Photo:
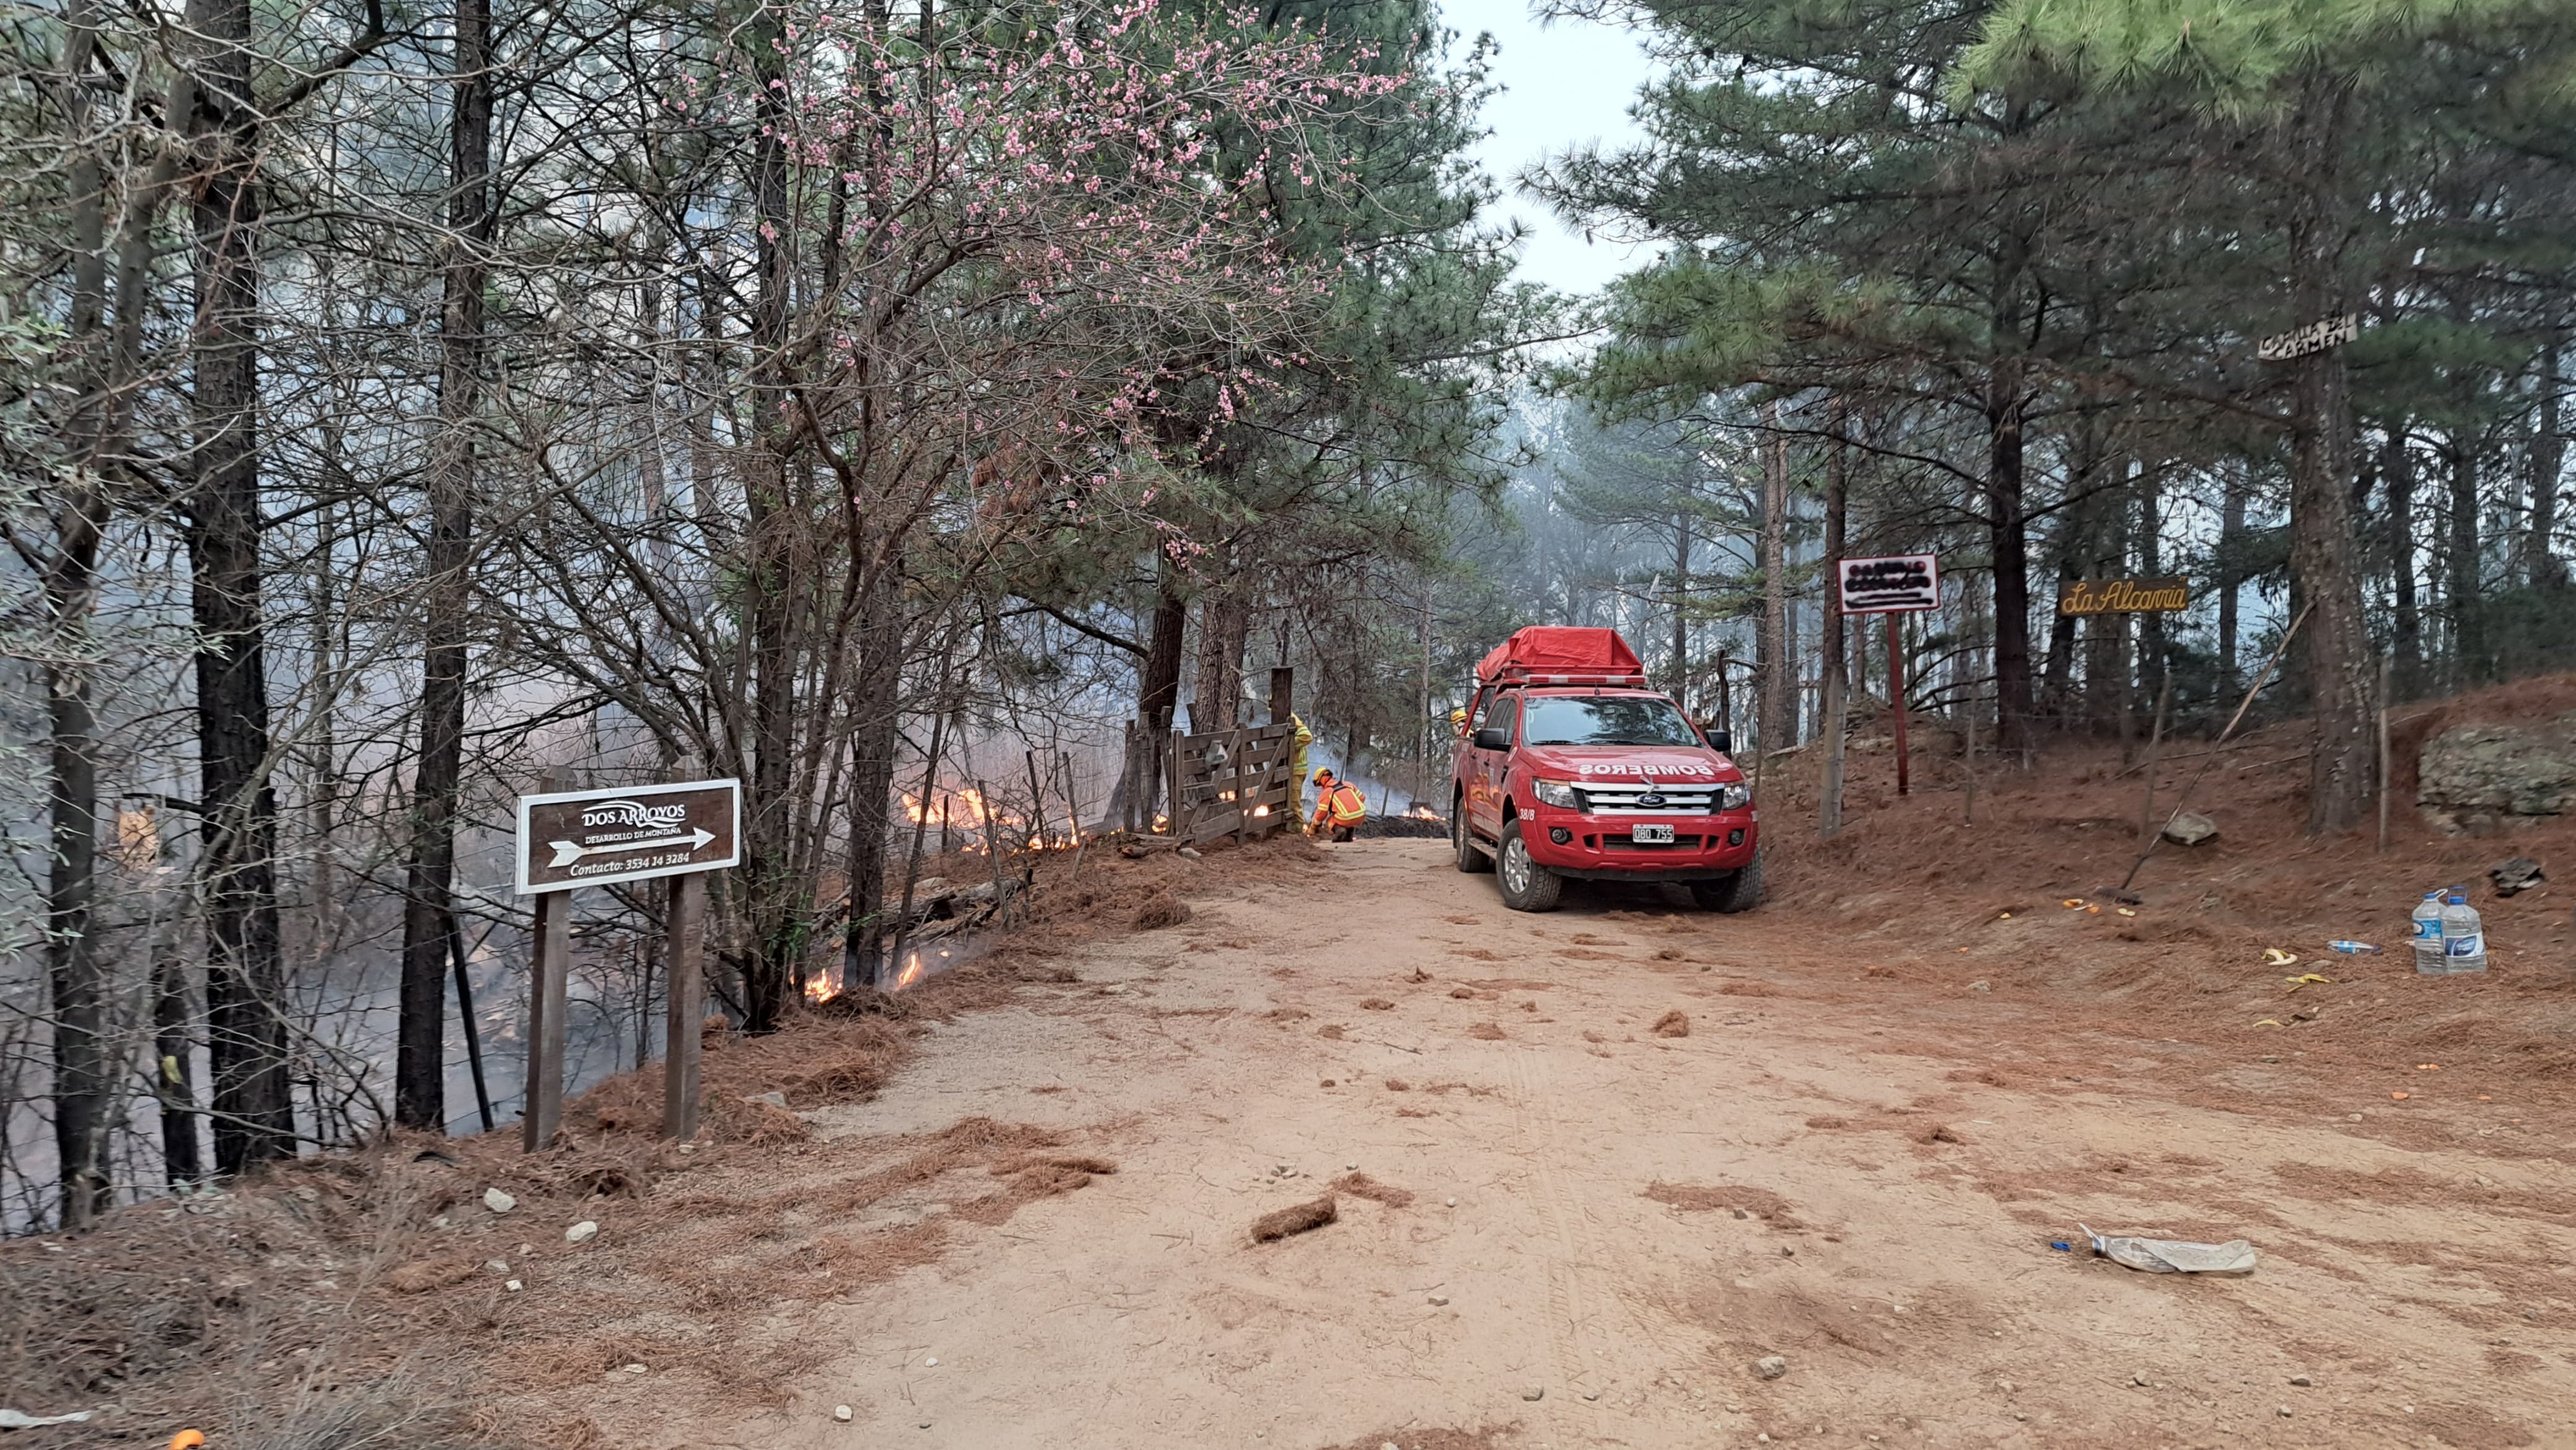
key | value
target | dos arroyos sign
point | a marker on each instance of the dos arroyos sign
(632, 833)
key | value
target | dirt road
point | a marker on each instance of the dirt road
(1858, 1170)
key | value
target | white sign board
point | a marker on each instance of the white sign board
(1896, 584)
(2317, 336)
(629, 833)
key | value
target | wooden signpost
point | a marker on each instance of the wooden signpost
(578, 838)
(1892, 585)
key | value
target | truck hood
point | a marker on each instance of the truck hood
(1628, 762)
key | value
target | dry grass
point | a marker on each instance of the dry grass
(1675, 1023)
(1490, 1437)
(1700, 1198)
(1297, 1218)
(1486, 1031)
(1360, 1185)
(1161, 912)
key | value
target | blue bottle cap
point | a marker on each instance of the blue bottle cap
(2459, 900)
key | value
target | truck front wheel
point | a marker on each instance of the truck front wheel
(1739, 892)
(1527, 885)
(1470, 860)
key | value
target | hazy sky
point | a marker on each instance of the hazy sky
(1563, 84)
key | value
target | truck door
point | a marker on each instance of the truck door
(1486, 767)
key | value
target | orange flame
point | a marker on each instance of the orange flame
(911, 972)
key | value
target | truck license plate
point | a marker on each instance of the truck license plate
(1651, 835)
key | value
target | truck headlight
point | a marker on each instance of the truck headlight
(1556, 793)
(1735, 795)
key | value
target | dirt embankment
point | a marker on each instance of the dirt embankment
(375, 1291)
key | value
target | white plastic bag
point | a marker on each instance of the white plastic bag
(2173, 1256)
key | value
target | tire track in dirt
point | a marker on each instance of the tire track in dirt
(1568, 1315)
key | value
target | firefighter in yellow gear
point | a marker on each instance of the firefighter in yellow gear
(1297, 769)
(1339, 806)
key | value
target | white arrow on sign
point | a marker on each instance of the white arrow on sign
(566, 852)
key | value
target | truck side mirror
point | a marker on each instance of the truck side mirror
(1722, 741)
(1493, 738)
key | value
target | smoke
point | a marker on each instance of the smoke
(1384, 798)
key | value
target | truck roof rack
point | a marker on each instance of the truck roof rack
(1544, 655)
(1515, 676)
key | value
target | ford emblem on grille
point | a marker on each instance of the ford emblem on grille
(1651, 799)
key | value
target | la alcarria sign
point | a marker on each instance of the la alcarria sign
(2124, 596)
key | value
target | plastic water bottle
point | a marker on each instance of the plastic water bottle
(2428, 936)
(2464, 937)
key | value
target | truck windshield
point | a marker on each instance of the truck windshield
(1599, 720)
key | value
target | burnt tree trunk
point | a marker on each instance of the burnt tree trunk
(420, 1038)
(2008, 540)
(245, 972)
(768, 874)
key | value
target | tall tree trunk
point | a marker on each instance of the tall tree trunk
(420, 1039)
(2548, 460)
(1158, 689)
(2235, 485)
(2397, 465)
(2151, 562)
(1779, 671)
(173, 1018)
(2343, 771)
(2464, 581)
(1829, 811)
(1225, 618)
(874, 740)
(245, 972)
(1681, 607)
(776, 963)
(2106, 636)
(2008, 531)
(76, 976)
(83, 1069)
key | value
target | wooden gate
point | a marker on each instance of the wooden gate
(1237, 783)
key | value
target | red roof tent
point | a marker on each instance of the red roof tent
(1555, 655)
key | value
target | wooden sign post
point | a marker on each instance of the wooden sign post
(569, 839)
(1892, 585)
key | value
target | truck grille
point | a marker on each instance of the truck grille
(1677, 800)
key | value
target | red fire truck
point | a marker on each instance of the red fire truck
(1569, 768)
